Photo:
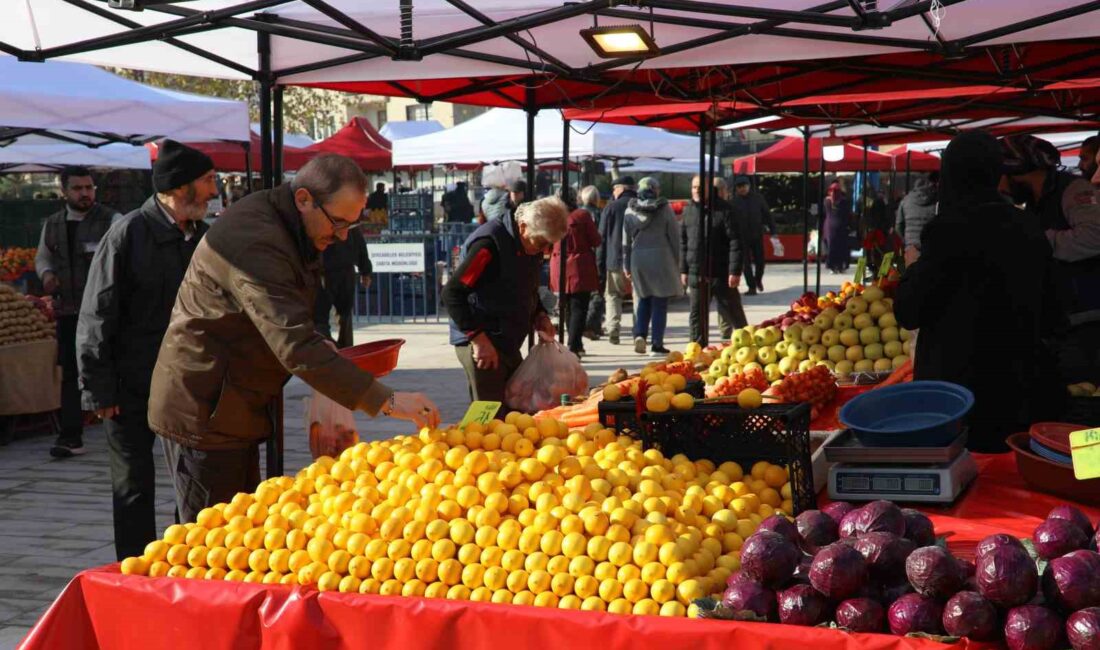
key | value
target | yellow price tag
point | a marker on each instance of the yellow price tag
(1085, 450)
(481, 412)
(861, 270)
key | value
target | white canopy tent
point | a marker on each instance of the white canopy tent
(85, 104)
(50, 156)
(500, 134)
(409, 129)
(657, 165)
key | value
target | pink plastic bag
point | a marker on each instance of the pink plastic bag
(331, 426)
(547, 373)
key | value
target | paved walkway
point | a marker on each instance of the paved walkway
(56, 515)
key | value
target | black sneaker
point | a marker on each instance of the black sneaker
(592, 335)
(751, 292)
(613, 339)
(760, 286)
(659, 351)
(67, 448)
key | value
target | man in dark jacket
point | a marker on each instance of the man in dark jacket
(377, 199)
(724, 273)
(609, 257)
(341, 260)
(750, 207)
(916, 210)
(979, 294)
(456, 205)
(131, 289)
(69, 240)
(243, 322)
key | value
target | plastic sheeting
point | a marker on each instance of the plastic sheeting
(103, 609)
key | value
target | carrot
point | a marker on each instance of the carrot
(903, 374)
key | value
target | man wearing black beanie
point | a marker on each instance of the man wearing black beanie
(131, 288)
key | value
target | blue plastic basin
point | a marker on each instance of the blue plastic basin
(914, 414)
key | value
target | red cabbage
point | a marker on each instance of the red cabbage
(802, 605)
(861, 615)
(1033, 627)
(849, 523)
(934, 572)
(915, 613)
(749, 596)
(892, 592)
(1083, 629)
(837, 510)
(817, 530)
(968, 614)
(885, 554)
(881, 516)
(783, 526)
(1072, 582)
(1071, 514)
(918, 528)
(838, 571)
(1006, 575)
(996, 541)
(769, 558)
(1056, 537)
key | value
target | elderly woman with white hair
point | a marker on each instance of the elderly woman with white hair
(492, 297)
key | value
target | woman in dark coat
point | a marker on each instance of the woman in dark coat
(581, 277)
(979, 294)
(838, 212)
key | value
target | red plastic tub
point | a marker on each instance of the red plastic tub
(378, 357)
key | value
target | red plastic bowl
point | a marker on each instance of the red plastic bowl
(378, 358)
(1054, 435)
(1049, 477)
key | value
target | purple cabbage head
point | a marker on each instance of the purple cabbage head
(1006, 575)
(783, 526)
(1083, 629)
(996, 541)
(892, 592)
(1073, 515)
(861, 615)
(1056, 537)
(918, 528)
(838, 571)
(817, 530)
(915, 613)
(1033, 627)
(934, 572)
(769, 558)
(802, 605)
(1072, 582)
(837, 510)
(968, 614)
(749, 596)
(881, 517)
(849, 523)
(802, 571)
(885, 554)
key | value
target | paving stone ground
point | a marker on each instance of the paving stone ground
(55, 517)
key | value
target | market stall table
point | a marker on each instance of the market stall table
(101, 608)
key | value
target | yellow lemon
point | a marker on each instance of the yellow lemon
(610, 589)
(620, 553)
(135, 566)
(582, 565)
(620, 606)
(673, 608)
(646, 607)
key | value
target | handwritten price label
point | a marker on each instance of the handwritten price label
(481, 412)
(1085, 451)
(884, 268)
(861, 270)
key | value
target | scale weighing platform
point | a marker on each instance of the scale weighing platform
(905, 474)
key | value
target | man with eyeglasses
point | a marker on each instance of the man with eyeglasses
(68, 242)
(244, 322)
(131, 288)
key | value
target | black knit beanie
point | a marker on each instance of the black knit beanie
(177, 165)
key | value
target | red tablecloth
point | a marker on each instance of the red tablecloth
(103, 609)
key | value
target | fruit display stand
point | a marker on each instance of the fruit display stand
(102, 608)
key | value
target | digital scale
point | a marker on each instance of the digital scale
(916, 474)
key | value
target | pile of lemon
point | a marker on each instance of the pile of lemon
(663, 391)
(518, 511)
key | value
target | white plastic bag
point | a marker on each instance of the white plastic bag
(777, 246)
(549, 372)
(331, 426)
(502, 175)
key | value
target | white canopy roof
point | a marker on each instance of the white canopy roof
(49, 24)
(409, 129)
(78, 100)
(500, 134)
(654, 165)
(299, 140)
(45, 157)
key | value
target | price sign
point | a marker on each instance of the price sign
(481, 412)
(861, 269)
(887, 261)
(1085, 451)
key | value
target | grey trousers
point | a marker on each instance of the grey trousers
(203, 478)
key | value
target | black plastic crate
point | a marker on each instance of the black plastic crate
(411, 202)
(777, 433)
(622, 415)
(410, 222)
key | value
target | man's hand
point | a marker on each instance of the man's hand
(545, 327)
(108, 413)
(912, 254)
(485, 355)
(415, 407)
(50, 283)
(684, 279)
(365, 280)
(734, 281)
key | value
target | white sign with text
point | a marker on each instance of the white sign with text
(396, 258)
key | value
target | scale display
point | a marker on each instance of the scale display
(936, 483)
(856, 482)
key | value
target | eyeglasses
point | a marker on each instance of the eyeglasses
(339, 225)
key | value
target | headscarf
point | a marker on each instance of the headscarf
(970, 170)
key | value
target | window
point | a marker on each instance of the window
(417, 112)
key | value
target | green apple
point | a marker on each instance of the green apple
(787, 365)
(829, 338)
(856, 305)
(849, 337)
(890, 334)
(905, 334)
(899, 361)
(823, 321)
(831, 312)
(742, 338)
(719, 367)
(751, 329)
(842, 322)
(865, 365)
(745, 355)
(877, 309)
(843, 369)
(873, 293)
(869, 335)
(734, 369)
(793, 333)
(883, 365)
(811, 334)
(775, 335)
(752, 365)
(798, 350)
(767, 355)
(818, 352)
(907, 348)
(892, 349)
(805, 365)
(772, 372)
(728, 352)
(781, 348)
(836, 353)
(862, 321)
(828, 363)
(854, 353)
(873, 351)
(888, 320)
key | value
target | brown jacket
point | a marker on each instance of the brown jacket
(243, 322)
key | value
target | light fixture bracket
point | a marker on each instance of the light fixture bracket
(645, 45)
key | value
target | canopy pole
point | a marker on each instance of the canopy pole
(805, 209)
(247, 146)
(821, 224)
(564, 245)
(712, 203)
(864, 207)
(531, 111)
(908, 168)
(266, 168)
(277, 135)
(702, 282)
